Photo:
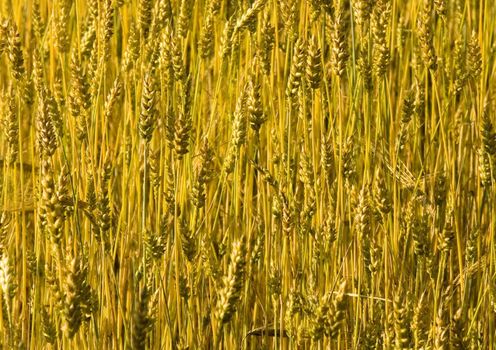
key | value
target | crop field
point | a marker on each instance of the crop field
(248, 174)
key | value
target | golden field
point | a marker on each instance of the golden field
(247, 174)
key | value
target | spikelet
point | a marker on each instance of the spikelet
(319, 322)
(328, 230)
(156, 243)
(381, 55)
(11, 127)
(426, 35)
(185, 14)
(303, 105)
(294, 307)
(73, 315)
(188, 242)
(170, 194)
(373, 335)
(90, 194)
(154, 166)
(314, 65)
(240, 118)
(165, 12)
(165, 59)
(362, 10)
(315, 7)
(488, 136)
(297, 71)
(93, 9)
(419, 100)
(407, 112)
(363, 221)
(133, 48)
(475, 338)
(46, 135)
(382, 197)
(88, 38)
(183, 124)
(267, 40)
(93, 70)
(254, 107)
(441, 329)
(108, 22)
(447, 234)
(238, 137)
(375, 253)
(306, 176)
(7, 285)
(55, 115)
(51, 210)
(63, 194)
(228, 40)
(79, 97)
(248, 18)
(258, 242)
(289, 14)
(112, 98)
(471, 248)
(62, 40)
(206, 42)
(339, 44)
(15, 53)
(142, 319)
(203, 173)
(419, 230)
(408, 108)
(349, 159)
(274, 283)
(152, 51)
(457, 340)
(56, 285)
(4, 231)
(6, 278)
(474, 57)
(327, 160)
(48, 327)
(337, 311)
(485, 168)
(364, 66)
(4, 34)
(460, 69)
(147, 120)
(38, 23)
(230, 294)
(421, 321)
(88, 297)
(402, 321)
(26, 92)
(441, 8)
(184, 288)
(156, 23)
(305, 170)
(145, 8)
(177, 59)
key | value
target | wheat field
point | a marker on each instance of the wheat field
(247, 174)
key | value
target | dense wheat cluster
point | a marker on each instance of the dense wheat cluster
(247, 174)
